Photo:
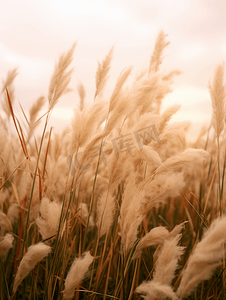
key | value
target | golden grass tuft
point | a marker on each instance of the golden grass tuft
(112, 194)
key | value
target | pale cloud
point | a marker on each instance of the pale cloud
(34, 34)
(193, 52)
(195, 103)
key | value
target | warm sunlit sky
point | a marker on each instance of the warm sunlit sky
(34, 33)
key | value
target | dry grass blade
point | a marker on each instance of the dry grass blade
(19, 131)
(12, 173)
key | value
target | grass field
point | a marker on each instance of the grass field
(121, 206)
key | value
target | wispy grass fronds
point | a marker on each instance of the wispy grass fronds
(5, 223)
(83, 213)
(8, 84)
(177, 229)
(166, 264)
(148, 154)
(188, 156)
(154, 290)
(33, 113)
(175, 130)
(218, 93)
(105, 212)
(120, 171)
(102, 73)
(118, 87)
(93, 117)
(146, 93)
(85, 124)
(156, 58)
(157, 189)
(169, 76)
(35, 254)
(60, 78)
(48, 222)
(167, 261)
(35, 108)
(166, 116)
(82, 95)
(13, 213)
(76, 274)
(207, 256)
(130, 215)
(156, 236)
(6, 243)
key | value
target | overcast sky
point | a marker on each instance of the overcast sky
(34, 33)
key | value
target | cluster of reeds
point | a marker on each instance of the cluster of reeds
(121, 206)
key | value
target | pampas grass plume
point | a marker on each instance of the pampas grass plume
(76, 274)
(5, 222)
(156, 236)
(8, 84)
(154, 290)
(206, 257)
(83, 213)
(102, 73)
(34, 255)
(218, 93)
(121, 80)
(156, 58)
(166, 116)
(61, 77)
(82, 94)
(13, 213)
(105, 212)
(50, 215)
(185, 158)
(130, 215)
(167, 263)
(6, 243)
(157, 189)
